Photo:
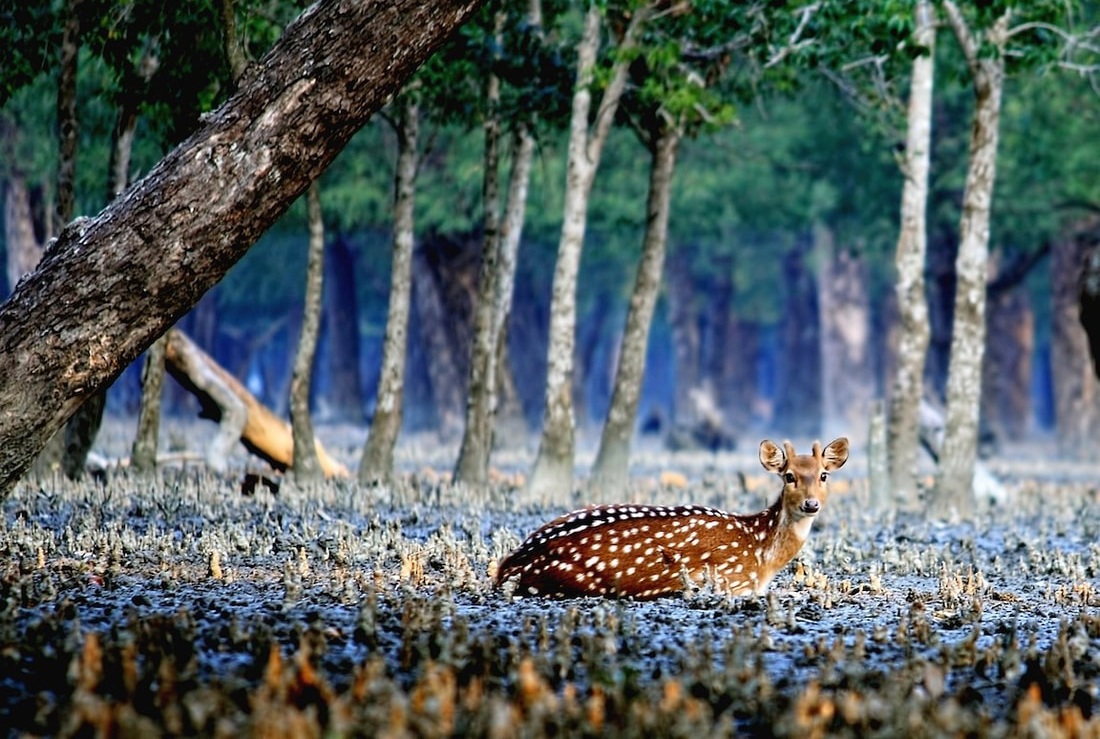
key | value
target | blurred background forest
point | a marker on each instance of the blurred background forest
(784, 211)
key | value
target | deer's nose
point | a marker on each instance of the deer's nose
(811, 506)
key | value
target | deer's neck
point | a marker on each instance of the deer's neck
(785, 538)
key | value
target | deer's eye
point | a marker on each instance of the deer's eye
(789, 478)
(824, 476)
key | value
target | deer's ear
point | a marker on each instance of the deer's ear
(836, 454)
(772, 456)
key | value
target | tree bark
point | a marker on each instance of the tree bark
(488, 360)
(913, 331)
(685, 340)
(472, 466)
(552, 476)
(377, 462)
(68, 129)
(847, 381)
(798, 392)
(610, 471)
(1006, 371)
(66, 331)
(55, 454)
(954, 485)
(345, 393)
(24, 250)
(307, 468)
(1076, 388)
(143, 456)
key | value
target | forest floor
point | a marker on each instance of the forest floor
(181, 605)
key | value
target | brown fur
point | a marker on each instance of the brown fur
(649, 551)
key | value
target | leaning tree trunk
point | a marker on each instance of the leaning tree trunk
(111, 284)
(307, 468)
(613, 458)
(481, 388)
(903, 443)
(552, 476)
(377, 463)
(954, 486)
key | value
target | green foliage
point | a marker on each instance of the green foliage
(29, 35)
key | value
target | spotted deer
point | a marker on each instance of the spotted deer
(644, 552)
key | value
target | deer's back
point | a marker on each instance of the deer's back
(637, 551)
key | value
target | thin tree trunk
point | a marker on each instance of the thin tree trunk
(612, 464)
(798, 393)
(954, 486)
(307, 468)
(143, 456)
(377, 463)
(523, 157)
(68, 130)
(472, 467)
(903, 443)
(552, 476)
(345, 393)
(24, 250)
(685, 341)
(1076, 388)
(81, 430)
(847, 380)
(1006, 371)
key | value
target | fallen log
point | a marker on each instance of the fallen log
(239, 415)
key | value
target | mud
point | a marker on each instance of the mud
(180, 605)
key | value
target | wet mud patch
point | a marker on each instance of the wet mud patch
(182, 606)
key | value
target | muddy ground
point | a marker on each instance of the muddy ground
(180, 605)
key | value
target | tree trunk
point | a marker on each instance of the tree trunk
(954, 486)
(741, 391)
(847, 381)
(1076, 388)
(55, 454)
(377, 463)
(472, 467)
(24, 250)
(719, 319)
(552, 476)
(798, 392)
(903, 444)
(1006, 371)
(143, 456)
(110, 285)
(613, 459)
(509, 408)
(307, 468)
(68, 130)
(438, 317)
(345, 389)
(685, 340)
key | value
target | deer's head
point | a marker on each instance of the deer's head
(803, 475)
